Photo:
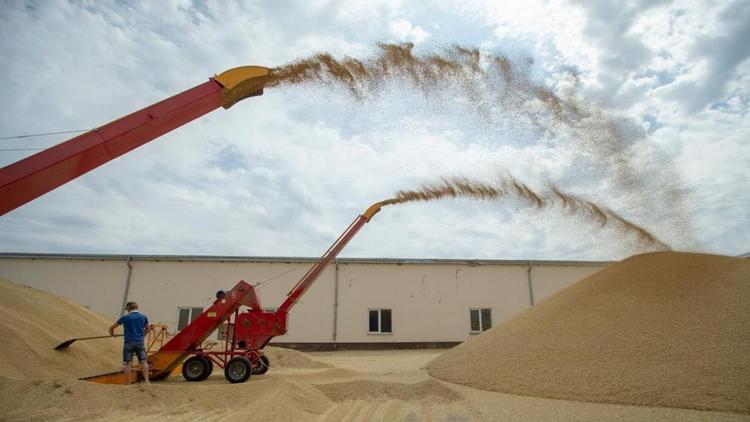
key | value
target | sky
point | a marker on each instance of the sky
(284, 174)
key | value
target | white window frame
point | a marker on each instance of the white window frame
(380, 322)
(481, 322)
(190, 316)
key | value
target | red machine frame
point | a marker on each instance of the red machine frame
(248, 330)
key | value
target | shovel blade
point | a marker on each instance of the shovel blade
(65, 344)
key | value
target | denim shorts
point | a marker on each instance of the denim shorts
(133, 347)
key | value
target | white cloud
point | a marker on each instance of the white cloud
(404, 31)
(284, 173)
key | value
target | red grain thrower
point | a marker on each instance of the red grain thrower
(248, 328)
(33, 176)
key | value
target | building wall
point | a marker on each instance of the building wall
(94, 283)
(429, 299)
(429, 302)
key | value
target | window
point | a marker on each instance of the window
(186, 316)
(480, 320)
(380, 321)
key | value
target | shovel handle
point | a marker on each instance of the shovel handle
(67, 343)
(95, 337)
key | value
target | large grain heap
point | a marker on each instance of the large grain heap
(33, 322)
(662, 329)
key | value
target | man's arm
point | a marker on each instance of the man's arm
(112, 328)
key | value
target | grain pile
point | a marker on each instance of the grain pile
(288, 358)
(662, 329)
(33, 322)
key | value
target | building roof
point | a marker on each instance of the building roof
(283, 259)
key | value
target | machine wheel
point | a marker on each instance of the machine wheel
(196, 368)
(263, 367)
(209, 365)
(238, 369)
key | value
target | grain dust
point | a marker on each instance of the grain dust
(510, 187)
(502, 89)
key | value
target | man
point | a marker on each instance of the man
(135, 326)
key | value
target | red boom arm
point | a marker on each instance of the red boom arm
(309, 278)
(32, 177)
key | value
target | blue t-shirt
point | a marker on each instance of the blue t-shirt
(134, 324)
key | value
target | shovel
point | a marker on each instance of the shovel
(66, 343)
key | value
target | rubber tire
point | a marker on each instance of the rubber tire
(209, 365)
(265, 364)
(238, 369)
(190, 364)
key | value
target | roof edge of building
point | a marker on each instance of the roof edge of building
(282, 259)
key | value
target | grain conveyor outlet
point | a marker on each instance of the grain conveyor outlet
(242, 82)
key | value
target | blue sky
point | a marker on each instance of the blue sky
(283, 174)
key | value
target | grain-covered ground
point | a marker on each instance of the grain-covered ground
(358, 386)
(38, 383)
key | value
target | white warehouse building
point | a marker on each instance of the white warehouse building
(356, 303)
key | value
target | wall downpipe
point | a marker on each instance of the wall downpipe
(127, 285)
(531, 286)
(335, 299)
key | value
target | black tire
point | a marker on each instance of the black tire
(238, 369)
(209, 366)
(264, 365)
(195, 368)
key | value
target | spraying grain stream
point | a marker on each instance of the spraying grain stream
(498, 87)
(509, 187)
(493, 83)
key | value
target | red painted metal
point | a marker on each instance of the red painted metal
(200, 328)
(27, 179)
(301, 287)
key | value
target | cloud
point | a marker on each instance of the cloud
(284, 173)
(715, 58)
(404, 31)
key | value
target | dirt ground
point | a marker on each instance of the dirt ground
(358, 385)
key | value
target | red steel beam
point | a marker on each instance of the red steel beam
(42, 172)
(314, 272)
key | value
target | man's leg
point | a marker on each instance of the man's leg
(127, 355)
(143, 360)
(126, 371)
(144, 368)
